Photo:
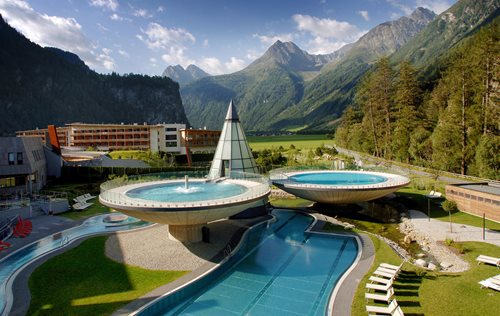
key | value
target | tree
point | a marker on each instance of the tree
(406, 100)
(488, 157)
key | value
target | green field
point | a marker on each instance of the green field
(299, 141)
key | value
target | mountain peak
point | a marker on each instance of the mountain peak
(184, 76)
(422, 15)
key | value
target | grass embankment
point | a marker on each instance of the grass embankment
(83, 281)
(421, 292)
(129, 154)
(75, 189)
(420, 202)
(289, 203)
(304, 142)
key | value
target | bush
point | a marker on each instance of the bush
(449, 206)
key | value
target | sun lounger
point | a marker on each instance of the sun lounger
(381, 297)
(489, 260)
(391, 266)
(392, 309)
(380, 280)
(489, 283)
(495, 279)
(385, 273)
(379, 287)
(81, 206)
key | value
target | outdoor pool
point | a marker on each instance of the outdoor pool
(279, 270)
(338, 178)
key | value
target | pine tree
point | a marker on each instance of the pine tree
(406, 100)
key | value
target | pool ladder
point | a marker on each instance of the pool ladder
(227, 251)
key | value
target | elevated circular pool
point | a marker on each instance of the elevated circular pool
(185, 205)
(338, 187)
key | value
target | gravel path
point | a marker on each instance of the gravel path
(428, 233)
(152, 249)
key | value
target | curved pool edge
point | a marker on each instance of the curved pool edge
(26, 269)
(196, 275)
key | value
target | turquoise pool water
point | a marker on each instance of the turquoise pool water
(280, 270)
(337, 178)
(197, 191)
(19, 259)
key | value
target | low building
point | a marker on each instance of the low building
(23, 166)
(199, 140)
(476, 198)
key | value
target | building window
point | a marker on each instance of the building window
(20, 158)
(171, 144)
(12, 158)
(170, 137)
(171, 129)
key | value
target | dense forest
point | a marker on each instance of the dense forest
(453, 125)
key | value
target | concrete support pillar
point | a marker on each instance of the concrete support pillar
(185, 233)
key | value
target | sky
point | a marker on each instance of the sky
(219, 36)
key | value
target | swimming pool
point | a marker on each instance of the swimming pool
(12, 264)
(280, 270)
(196, 191)
(338, 178)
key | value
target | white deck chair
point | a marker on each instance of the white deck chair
(489, 260)
(379, 287)
(392, 309)
(380, 297)
(380, 280)
(489, 283)
(385, 273)
(391, 266)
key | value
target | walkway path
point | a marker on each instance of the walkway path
(440, 230)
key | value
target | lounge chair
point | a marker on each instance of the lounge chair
(381, 297)
(392, 309)
(489, 260)
(391, 266)
(379, 287)
(492, 283)
(380, 280)
(81, 206)
(385, 273)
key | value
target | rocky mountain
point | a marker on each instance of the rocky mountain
(292, 57)
(40, 86)
(429, 47)
(184, 76)
(287, 88)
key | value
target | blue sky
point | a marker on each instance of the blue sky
(218, 36)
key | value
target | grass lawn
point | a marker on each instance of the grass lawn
(128, 154)
(83, 281)
(419, 292)
(95, 209)
(289, 203)
(419, 202)
(304, 142)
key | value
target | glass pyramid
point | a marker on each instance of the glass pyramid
(233, 152)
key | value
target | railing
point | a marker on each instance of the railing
(111, 192)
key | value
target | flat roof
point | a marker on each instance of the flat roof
(481, 187)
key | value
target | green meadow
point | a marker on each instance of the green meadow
(299, 141)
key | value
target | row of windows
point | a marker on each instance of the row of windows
(125, 130)
(12, 182)
(474, 197)
(15, 158)
(77, 138)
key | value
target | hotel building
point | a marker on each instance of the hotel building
(171, 138)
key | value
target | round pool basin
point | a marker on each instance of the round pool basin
(339, 187)
(169, 202)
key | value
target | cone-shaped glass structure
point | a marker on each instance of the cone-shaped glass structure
(233, 152)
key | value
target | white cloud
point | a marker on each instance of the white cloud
(326, 27)
(176, 55)
(123, 53)
(397, 4)
(214, 66)
(438, 6)
(158, 36)
(115, 17)
(328, 34)
(364, 15)
(271, 39)
(160, 9)
(106, 4)
(60, 32)
(205, 43)
(105, 59)
(143, 13)
(235, 64)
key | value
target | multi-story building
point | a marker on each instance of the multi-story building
(23, 167)
(173, 138)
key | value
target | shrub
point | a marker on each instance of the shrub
(449, 206)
